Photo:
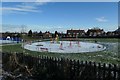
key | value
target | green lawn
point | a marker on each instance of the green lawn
(109, 55)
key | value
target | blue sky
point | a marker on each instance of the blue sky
(59, 16)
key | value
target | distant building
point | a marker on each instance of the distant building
(95, 32)
(117, 32)
(75, 33)
(47, 34)
(4, 35)
(110, 33)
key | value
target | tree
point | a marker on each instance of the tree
(19, 35)
(56, 33)
(30, 33)
(40, 34)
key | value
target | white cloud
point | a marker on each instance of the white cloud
(18, 9)
(26, 6)
(22, 8)
(101, 19)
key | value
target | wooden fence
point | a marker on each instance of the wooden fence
(49, 68)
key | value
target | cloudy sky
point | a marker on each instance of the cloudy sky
(60, 16)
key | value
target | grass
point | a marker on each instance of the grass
(107, 56)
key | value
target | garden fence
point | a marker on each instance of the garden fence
(50, 68)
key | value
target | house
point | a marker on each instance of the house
(47, 35)
(75, 33)
(117, 32)
(109, 33)
(95, 32)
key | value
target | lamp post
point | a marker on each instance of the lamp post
(23, 34)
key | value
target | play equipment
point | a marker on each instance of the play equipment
(57, 39)
(61, 46)
(8, 38)
(70, 45)
(44, 49)
(52, 40)
(78, 44)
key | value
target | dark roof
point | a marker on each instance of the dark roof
(75, 31)
(95, 30)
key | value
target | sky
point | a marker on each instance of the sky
(60, 0)
(60, 16)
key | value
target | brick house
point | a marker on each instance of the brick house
(47, 34)
(75, 33)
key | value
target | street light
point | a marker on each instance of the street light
(23, 29)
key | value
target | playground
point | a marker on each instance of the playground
(57, 46)
(109, 55)
(64, 47)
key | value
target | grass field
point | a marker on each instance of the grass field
(110, 55)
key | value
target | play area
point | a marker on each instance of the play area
(64, 47)
(57, 46)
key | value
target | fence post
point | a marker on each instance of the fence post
(109, 72)
(67, 77)
(99, 71)
(119, 73)
(74, 69)
(71, 74)
(81, 69)
(77, 69)
(90, 69)
(95, 71)
(114, 69)
(104, 70)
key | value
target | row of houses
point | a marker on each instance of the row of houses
(94, 32)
